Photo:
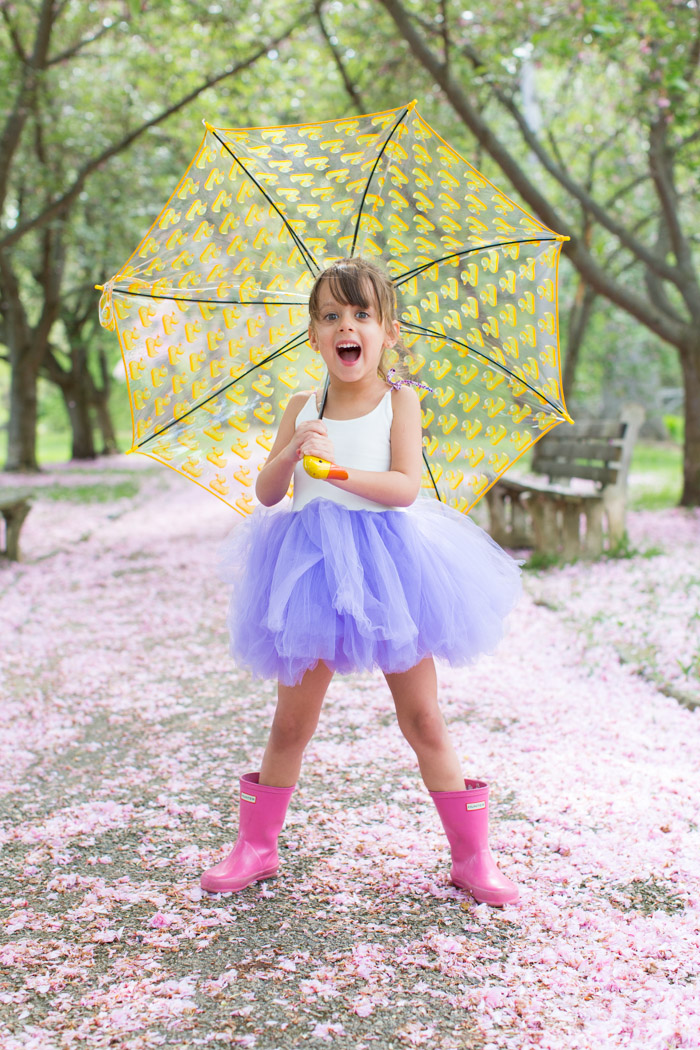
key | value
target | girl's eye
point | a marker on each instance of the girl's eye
(362, 313)
(330, 317)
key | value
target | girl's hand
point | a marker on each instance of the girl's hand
(291, 445)
(311, 439)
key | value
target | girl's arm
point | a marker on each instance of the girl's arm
(398, 486)
(309, 439)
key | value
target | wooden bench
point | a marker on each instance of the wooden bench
(586, 467)
(14, 510)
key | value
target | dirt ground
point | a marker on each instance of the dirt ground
(124, 727)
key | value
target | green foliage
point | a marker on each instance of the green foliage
(542, 560)
(655, 476)
(623, 549)
(633, 55)
(675, 425)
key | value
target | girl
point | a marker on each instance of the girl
(356, 575)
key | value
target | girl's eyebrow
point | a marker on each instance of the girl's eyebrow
(333, 304)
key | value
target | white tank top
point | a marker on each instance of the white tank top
(363, 443)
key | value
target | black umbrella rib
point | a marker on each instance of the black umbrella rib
(306, 253)
(430, 475)
(298, 340)
(467, 251)
(419, 330)
(371, 176)
(213, 302)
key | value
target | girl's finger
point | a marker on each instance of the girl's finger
(324, 449)
(316, 426)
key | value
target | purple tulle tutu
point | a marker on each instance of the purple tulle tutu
(360, 589)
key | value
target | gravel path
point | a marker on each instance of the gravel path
(123, 728)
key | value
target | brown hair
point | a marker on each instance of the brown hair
(356, 282)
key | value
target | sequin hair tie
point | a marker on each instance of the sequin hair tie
(398, 383)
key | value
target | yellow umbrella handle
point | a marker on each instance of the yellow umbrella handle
(322, 469)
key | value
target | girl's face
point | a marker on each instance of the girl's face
(350, 338)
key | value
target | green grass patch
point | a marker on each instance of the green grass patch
(53, 445)
(97, 491)
(542, 560)
(90, 493)
(656, 475)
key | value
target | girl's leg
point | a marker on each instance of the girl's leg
(295, 721)
(461, 804)
(265, 796)
(421, 722)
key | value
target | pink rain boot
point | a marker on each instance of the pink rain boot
(465, 818)
(261, 815)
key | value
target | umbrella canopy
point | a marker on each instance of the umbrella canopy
(211, 309)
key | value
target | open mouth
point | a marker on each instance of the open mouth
(348, 352)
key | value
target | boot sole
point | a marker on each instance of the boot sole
(220, 886)
(483, 898)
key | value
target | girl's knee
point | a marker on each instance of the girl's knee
(291, 734)
(424, 729)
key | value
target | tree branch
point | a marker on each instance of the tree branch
(14, 35)
(70, 51)
(347, 82)
(662, 176)
(445, 33)
(654, 286)
(53, 256)
(636, 305)
(54, 370)
(644, 254)
(17, 118)
(687, 141)
(61, 204)
(624, 190)
(694, 53)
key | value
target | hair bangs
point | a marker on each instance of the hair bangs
(348, 287)
(355, 282)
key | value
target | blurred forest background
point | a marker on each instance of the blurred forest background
(586, 113)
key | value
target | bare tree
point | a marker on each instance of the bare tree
(669, 304)
(37, 227)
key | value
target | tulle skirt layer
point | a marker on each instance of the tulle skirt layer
(359, 589)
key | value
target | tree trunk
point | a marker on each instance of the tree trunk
(78, 404)
(76, 386)
(104, 422)
(78, 409)
(21, 445)
(579, 317)
(100, 400)
(690, 360)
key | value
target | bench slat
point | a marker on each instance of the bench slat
(593, 428)
(560, 469)
(545, 513)
(518, 488)
(607, 451)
